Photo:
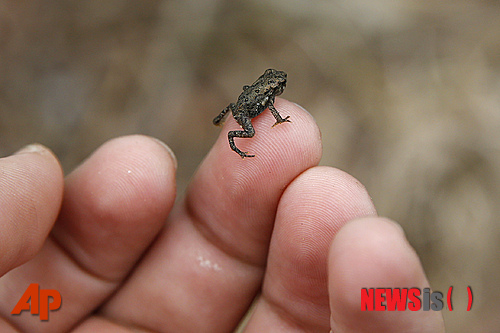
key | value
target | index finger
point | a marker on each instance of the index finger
(207, 266)
(234, 200)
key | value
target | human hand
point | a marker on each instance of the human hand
(306, 236)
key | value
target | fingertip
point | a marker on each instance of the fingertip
(129, 169)
(124, 190)
(311, 211)
(328, 194)
(293, 141)
(373, 252)
(31, 195)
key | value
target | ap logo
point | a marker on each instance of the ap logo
(40, 301)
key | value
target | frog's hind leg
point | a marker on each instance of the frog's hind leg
(248, 132)
(277, 116)
(219, 120)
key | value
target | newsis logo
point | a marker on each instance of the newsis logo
(413, 299)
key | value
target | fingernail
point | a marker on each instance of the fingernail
(167, 148)
(301, 107)
(31, 148)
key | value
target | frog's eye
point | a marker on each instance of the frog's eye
(245, 87)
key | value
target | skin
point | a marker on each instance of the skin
(125, 258)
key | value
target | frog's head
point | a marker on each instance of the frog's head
(276, 81)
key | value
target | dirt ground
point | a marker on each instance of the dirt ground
(406, 93)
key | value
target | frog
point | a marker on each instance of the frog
(254, 99)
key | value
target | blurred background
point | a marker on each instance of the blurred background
(406, 93)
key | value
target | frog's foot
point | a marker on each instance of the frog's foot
(282, 121)
(244, 154)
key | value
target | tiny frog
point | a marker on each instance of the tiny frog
(253, 101)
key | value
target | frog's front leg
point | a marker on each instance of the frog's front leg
(219, 120)
(248, 132)
(277, 116)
